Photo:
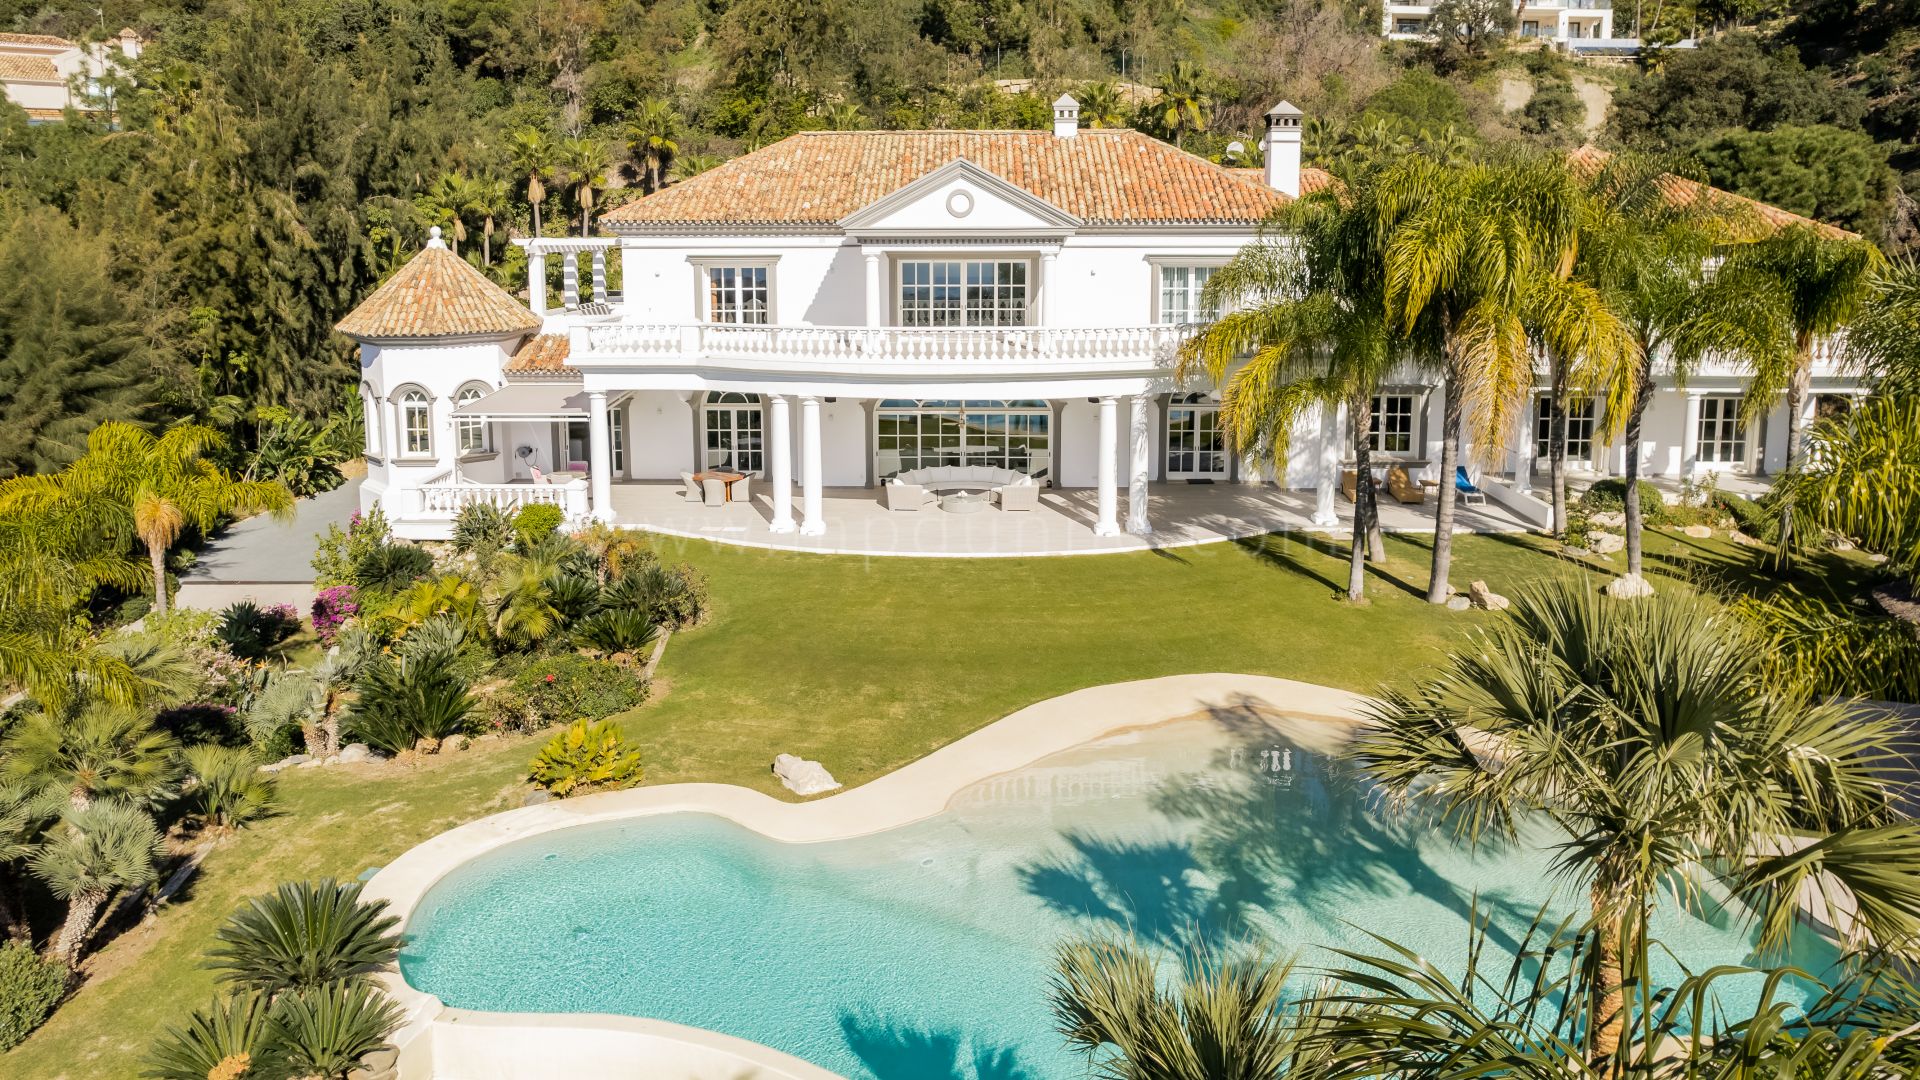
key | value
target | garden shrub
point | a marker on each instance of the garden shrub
(1747, 515)
(404, 701)
(332, 607)
(535, 522)
(482, 529)
(586, 756)
(560, 689)
(1611, 494)
(203, 722)
(672, 596)
(391, 568)
(29, 989)
(340, 552)
(250, 632)
(617, 630)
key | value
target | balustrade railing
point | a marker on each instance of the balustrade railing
(827, 345)
(451, 498)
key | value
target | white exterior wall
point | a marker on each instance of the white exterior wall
(659, 435)
(387, 372)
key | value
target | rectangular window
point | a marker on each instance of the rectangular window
(737, 294)
(1580, 415)
(963, 294)
(1181, 288)
(1392, 424)
(1723, 435)
(617, 433)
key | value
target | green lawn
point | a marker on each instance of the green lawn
(865, 664)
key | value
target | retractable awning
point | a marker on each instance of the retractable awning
(528, 401)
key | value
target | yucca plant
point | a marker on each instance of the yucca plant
(402, 702)
(90, 855)
(587, 755)
(325, 1031)
(302, 936)
(226, 788)
(225, 1039)
(620, 630)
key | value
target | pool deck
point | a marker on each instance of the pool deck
(456, 1044)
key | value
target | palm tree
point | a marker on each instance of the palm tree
(487, 197)
(227, 788)
(94, 851)
(652, 136)
(1652, 735)
(101, 752)
(1306, 310)
(154, 487)
(1863, 480)
(584, 163)
(533, 157)
(1184, 104)
(302, 936)
(21, 819)
(1885, 339)
(446, 203)
(324, 1032)
(1102, 105)
(845, 116)
(1821, 281)
(689, 165)
(524, 609)
(1221, 1019)
(1473, 258)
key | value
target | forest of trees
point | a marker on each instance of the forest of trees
(186, 252)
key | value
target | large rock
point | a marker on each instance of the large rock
(355, 752)
(1698, 532)
(1605, 543)
(803, 777)
(287, 763)
(456, 743)
(1484, 598)
(1628, 587)
(1610, 519)
(1457, 602)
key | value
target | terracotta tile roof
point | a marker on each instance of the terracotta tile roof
(17, 68)
(542, 354)
(47, 40)
(1311, 179)
(438, 295)
(1683, 192)
(1102, 176)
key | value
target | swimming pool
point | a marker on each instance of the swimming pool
(923, 952)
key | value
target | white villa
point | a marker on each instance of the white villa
(1575, 25)
(45, 75)
(962, 310)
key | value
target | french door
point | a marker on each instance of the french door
(1196, 447)
(734, 427)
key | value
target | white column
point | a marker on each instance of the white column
(600, 454)
(1328, 481)
(812, 523)
(1690, 436)
(873, 289)
(600, 274)
(1108, 522)
(1049, 285)
(780, 477)
(570, 279)
(1141, 445)
(1523, 449)
(537, 281)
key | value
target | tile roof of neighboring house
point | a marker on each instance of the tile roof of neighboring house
(46, 115)
(47, 40)
(1683, 191)
(438, 295)
(17, 68)
(1104, 176)
(542, 354)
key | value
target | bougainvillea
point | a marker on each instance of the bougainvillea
(331, 610)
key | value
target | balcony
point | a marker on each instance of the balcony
(864, 350)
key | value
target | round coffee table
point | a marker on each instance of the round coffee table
(963, 502)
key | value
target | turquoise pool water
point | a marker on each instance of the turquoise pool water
(922, 953)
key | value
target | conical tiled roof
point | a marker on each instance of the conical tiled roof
(438, 295)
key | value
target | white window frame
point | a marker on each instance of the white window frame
(965, 306)
(406, 400)
(474, 430)
(372, 419)
(1382, 441)
(1582, 417)
(1725, 430)
(740, 454)
(617, 438)
(1205, 420)
(1012, 433)
(1172, 300)
(735, 312)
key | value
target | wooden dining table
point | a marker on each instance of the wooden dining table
(727, 478)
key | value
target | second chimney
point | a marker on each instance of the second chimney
(1282, 147)
(1066, 117)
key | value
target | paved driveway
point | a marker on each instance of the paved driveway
(267, 561)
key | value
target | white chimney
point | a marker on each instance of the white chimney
(1282, 147)
(1066, 117)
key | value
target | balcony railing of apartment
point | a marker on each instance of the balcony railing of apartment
(445, 497)
(859, 345)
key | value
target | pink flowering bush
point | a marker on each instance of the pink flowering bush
(331, 610)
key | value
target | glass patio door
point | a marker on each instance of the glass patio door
(734, 427)
(1196, 447)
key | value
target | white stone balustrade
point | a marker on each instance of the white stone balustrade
(859, 347)
(448, 499)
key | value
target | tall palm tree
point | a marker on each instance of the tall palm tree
(446, 203)
(1885, 339)
(101, 752)
(652, 142)
(1652, 735)
(92, 853)
(1102, 105)
(1821, 281)
(584, 163)
(534, 157)
(1473, 260)
(1184, 104)
(1220, 1019)
(1306, 312)
(487, 198)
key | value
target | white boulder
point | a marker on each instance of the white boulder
(1485, 598)
(1628, 587)
(353, 753)
(1610, 519)
(1698, 532)
(1605, 543)
(1457, 602)
(803, 777)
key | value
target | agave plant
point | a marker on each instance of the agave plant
(227, 788)
(586, 755)
(483, 530)
(224, 1039)
(302, 936)
(325, 1031)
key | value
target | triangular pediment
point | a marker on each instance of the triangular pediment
(960, 197)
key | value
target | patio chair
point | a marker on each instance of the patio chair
(539, 477)
(1350, 484)
(716, 492)
(693, 492)
(1402, 487)
(1468, 493)
(741, 494)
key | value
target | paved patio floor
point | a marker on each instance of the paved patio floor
(858, 523)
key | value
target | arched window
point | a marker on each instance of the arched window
(1196, 444)
(734, 428)
(370, 421)
(416, 423)
(471, 433)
